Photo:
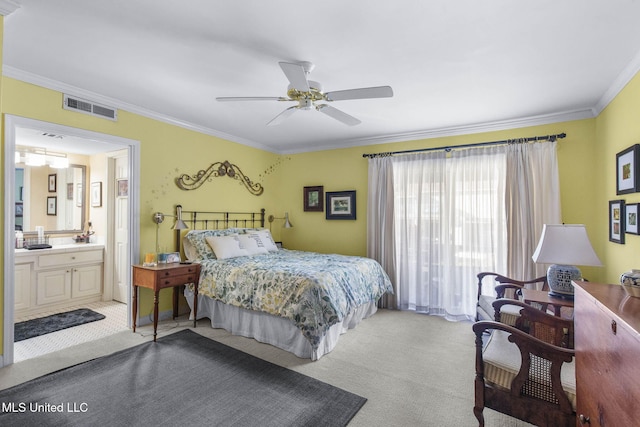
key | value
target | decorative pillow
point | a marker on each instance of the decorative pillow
(264, 236)
(200, 245)
(252, 244)
(226, 246)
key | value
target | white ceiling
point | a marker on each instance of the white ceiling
(455, 66)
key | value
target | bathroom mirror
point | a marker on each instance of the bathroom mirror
(52, 198)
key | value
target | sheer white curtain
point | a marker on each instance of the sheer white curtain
(449, 225)
(436, 219)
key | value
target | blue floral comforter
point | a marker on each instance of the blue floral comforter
(314, 291)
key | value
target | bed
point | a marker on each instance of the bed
(298, 301)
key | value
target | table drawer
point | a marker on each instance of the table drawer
(176, 280)
(172, 272)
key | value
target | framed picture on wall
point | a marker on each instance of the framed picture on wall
(96, 194)
(53, 178)
(123, 187)
(313, 199)
(341, 205)
(52, 205)
(627, 170)
(631, 218)
(616, 221)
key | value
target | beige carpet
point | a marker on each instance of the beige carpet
(415, 370)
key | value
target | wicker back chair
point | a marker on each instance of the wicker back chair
(522, 375)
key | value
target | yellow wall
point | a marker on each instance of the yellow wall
(617, 128)
(166, 151)
(346, 169)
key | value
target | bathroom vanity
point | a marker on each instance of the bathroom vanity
(59, 277)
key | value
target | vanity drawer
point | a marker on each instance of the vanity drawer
(54, 260)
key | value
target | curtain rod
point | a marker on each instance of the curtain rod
(477, 144)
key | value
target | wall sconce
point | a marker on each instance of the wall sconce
(287, 223)
(158, 218)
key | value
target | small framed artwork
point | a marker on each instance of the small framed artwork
(96, 194)
(631, 218)
(616, 221)
(123, 187)
(52, 205)
(53, 179)
(173, 257)
(313, 199)
(341, 205)
(627, 173)
(19, 209)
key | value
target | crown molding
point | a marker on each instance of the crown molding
(619, 83)
(544, 119)
(7, 7)
(47, 83)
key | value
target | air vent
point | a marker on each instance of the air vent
(83, 106)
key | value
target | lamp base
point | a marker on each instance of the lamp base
(559, 278)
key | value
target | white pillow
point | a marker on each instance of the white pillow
(264, 237)
(226, 246)
(252, 244)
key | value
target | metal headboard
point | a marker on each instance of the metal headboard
(211, 220)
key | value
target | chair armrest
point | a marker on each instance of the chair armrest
(503, 286)
(482, 275)
(524, 283)
(528, 346)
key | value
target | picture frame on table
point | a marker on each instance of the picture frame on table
(96, 194)
(628, 170)
(53, 180)
(173, 257)
(616, 221)
(52, 205)
(341, 205)
(631, 218)
(313, 198)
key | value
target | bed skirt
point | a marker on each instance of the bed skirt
(277, 331)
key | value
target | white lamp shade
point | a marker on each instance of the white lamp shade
(565, 244)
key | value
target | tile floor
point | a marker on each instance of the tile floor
(115, 321)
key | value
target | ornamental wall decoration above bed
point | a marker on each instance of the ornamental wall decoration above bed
(191, 182)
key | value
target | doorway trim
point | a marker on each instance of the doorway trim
(11, 123)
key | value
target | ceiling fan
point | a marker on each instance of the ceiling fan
(309, 95)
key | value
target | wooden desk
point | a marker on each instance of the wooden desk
(542, 297)
(165, 276)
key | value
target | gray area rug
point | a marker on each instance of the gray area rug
(182, 379)
(55, 322)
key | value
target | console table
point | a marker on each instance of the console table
(607, 342)
(165, 276)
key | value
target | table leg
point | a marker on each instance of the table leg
(175, 301)
(155, 314)
(195, 303)
(135, 306)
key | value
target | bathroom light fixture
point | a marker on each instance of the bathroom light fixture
(32, 156)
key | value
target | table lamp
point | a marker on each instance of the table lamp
(564, 246)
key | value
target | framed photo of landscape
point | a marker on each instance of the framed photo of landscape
(627, 170)
(313, 199)
(616, 221)
(341, 205)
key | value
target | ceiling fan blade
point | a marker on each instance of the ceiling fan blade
(282, 116)
(251, 98)
(362, 93)
(296, 75)
(338, 115)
